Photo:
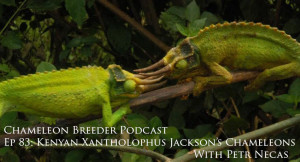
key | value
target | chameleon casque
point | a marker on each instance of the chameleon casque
(75, 92)
(217, 50)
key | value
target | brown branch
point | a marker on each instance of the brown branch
(135, 24)
(135, 150)
(150, 14)
(268, 130)
(278, 6)
(147, 98)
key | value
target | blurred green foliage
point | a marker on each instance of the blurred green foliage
(55, 34)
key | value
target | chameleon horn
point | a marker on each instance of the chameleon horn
(160, 71)
(150, 81)
(146, 88)
(140, 76)
(152, 77)
(151, 67)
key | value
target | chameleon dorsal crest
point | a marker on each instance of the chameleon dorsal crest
(74, 93)
(237, 46)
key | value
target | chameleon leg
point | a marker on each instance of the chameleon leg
(221, 76)
(110, 119)
(276, 73)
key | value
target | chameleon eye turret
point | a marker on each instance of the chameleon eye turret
(182, 64)
(175, 59)
(129, 85)
(76, 92)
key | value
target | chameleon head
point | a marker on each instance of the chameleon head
(177, 61)
(130, 85)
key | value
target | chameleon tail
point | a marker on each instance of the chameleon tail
(3, 105)
(2, 110)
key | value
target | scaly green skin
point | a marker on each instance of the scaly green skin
(219, 49)
(71, 93)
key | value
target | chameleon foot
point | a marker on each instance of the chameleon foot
(200, 83)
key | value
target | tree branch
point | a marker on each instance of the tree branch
(12, 17)
(245, 137)
(147, 98)
(139, 151)
(135, 24)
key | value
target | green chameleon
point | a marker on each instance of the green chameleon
(74, 93)
(217, 50)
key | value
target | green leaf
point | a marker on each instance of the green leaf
(182, 29)
(44, 5)
(192, 11)
(90, 3)
(11, 40)
(78, 41)
(210, 18)
(92, 123)
(155, 122)
(250, 96)
(4, 150)
(298, 38)
(292, 26)
(208, 100)
(11, 157)
(45, 66)
(295, 88)
(129, 157)
(199, 132)
(170, 20)
(7, 119)
(181, 152)
(8, 2)
(136, 120)
(64, 54)
(75, 156)
(195, 26)
(286, 98)
(86, 51)
(74, 42)
(292, 111)
(176, 118)
(233, 123)
(89, 40)
(275, 107)
(119, 37)
(77, 11)
(178, 11)
(4, 68)
(171, 132)
(13, 73)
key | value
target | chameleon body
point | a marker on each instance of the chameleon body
(219, 49)
(72, 93)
